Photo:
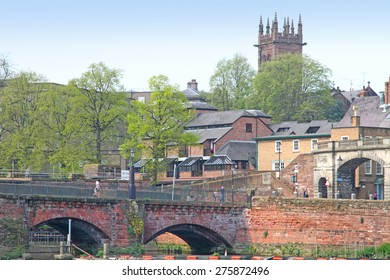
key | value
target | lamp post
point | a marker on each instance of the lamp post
(131, 176)
(279, 152)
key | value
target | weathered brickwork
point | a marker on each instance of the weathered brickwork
(107, 216)
(271, 220)
(239, 133)
(319, 221)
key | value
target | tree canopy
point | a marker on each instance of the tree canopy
(19, 108)
(100, 102)
(158, 125)
(293, 87)
(231, 83)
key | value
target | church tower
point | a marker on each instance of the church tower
(272, 42)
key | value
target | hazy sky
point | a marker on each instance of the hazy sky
(185, 39)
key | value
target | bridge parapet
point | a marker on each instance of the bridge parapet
(361, 144)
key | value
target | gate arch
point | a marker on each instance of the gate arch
(338, 160)
(322, 188)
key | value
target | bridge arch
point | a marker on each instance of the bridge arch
(83, 233)
(201, 240)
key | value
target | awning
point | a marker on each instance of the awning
(219, 160)
(190, 161)
(141, 163)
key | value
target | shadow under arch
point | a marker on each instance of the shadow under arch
(201, 240)
(346, 175)
(322, 188)
(83, 234)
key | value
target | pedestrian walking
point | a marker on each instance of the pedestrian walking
(96, 191)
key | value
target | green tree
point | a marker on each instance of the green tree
(293, 87)
(59, 133)
(18, 107)
(158, 125)
(100, 104)
(6, 71)
(231, 83)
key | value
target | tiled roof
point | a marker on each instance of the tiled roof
(239, 150)
(212, 133)
(200, 105)
(141, 163)
(317, 127)
(352, 94)
(223, 117)
(219, 160)
(371, 115)
(190, 161)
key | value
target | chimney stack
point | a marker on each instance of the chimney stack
(193, 85)
(355, 119)
(387, 92)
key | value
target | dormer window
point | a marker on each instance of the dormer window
(312, 129)
(283, 129)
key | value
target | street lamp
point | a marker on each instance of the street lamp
(279, 152)
(131, 176)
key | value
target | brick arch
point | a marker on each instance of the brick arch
(82, 232)
(202, 240)
(219, 224)
(105, 218)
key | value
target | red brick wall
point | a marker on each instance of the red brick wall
(304, 175)
(239, 131)
(318, 221)
(276, 220)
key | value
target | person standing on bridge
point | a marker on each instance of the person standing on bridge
(215, 195)
(96, 191)
(222, 194)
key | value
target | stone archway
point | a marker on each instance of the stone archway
(322, 188)
(83, 234)
(201, 240)
(339, 163)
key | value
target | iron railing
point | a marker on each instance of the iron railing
(198, 193)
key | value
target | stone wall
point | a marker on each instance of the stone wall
(317, 222)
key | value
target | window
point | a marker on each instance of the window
(283, 129)
(248, 127)
(295, 145)
(312, 129)
(368, 167)
(275, 165)
(141, 99)
(379, 169)
(183, 151)
(313, 143)
(278, 146)
(344, 138)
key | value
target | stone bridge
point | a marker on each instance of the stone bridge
(337, 161)
(271, 220)
(202, 226)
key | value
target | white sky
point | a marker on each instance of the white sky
(185, 39)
